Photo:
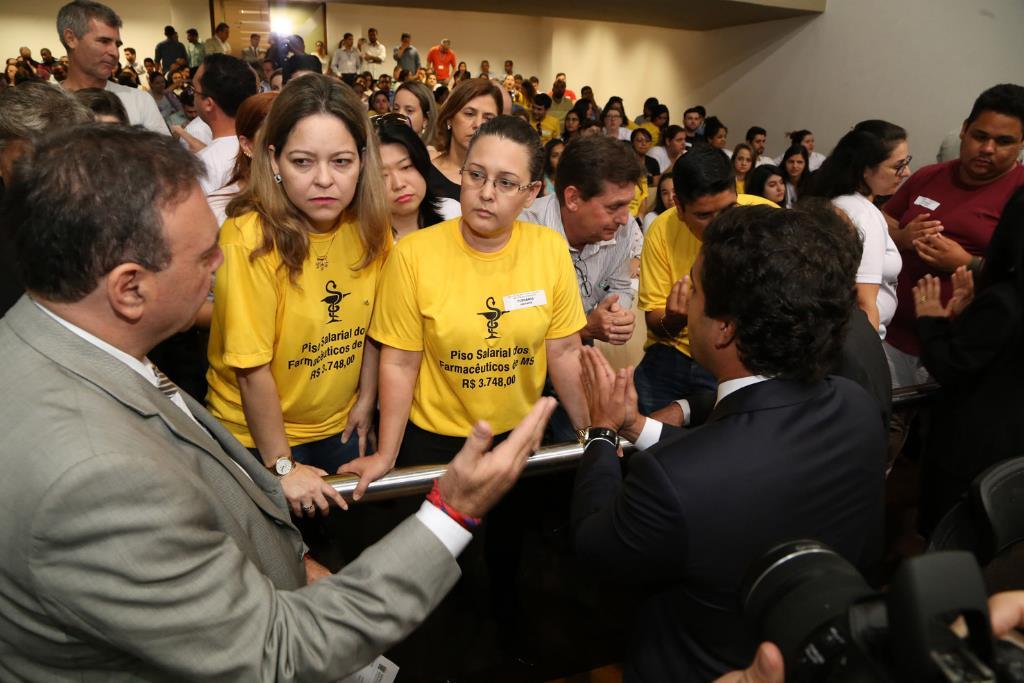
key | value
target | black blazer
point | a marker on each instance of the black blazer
(978, 358)
(776, 461)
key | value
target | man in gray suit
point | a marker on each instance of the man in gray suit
(140, 541)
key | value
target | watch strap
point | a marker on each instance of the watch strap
(603, 434)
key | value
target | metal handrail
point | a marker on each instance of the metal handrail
(409, 481)
(906, 397)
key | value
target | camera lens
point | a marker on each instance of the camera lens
(798, 596)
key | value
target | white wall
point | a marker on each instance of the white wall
(33, 23)
(917, 63)
(633, 62)
(475, 35)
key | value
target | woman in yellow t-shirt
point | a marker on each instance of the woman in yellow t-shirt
(292, 374)
(475, 312)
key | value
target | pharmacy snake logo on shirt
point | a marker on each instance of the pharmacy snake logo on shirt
(333, 301)
(492, 314)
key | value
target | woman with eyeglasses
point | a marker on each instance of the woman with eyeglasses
(292, 374)
(870, 161)
(406, 167)
(475, 312)
(612, 121)
(470, 104)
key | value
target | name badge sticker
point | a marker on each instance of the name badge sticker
(513, 302)
(929, 204)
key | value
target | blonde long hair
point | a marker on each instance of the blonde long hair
(284, 227)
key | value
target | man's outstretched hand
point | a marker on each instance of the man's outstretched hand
(478, 477)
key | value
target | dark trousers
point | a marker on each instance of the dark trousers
(504, 529)
(666, 374)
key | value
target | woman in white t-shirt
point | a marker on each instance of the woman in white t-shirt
(870, 161)
(614, 124)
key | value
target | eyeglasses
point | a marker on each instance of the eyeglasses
(904, 164)
(392, 117)
(582, 276)
(476, 179)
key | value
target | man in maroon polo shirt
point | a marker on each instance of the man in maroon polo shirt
(944, 215)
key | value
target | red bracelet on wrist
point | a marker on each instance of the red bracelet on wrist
(465, 521)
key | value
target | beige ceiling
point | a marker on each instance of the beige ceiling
(695, 15)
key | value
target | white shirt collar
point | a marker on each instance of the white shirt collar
(143, 367)
(732, 385)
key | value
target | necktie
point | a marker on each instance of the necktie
(164, 384)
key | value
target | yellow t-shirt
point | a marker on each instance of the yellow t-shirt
(549, 127)
(639, 200)
(312, 334)
(480, 320)
(741, 186)
(670, 250)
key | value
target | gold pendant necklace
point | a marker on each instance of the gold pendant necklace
(321, 259)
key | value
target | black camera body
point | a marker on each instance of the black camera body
(831, 626)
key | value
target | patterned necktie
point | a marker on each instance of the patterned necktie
(164, 384)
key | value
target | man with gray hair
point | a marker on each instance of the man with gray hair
(91, 32)
(26, 114)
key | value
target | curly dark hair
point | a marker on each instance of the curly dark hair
(778, 275)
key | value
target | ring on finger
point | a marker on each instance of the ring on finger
(308, 508)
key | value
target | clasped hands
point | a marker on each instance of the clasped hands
(610, 322)
(925, 236)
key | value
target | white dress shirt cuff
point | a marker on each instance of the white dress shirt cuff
(684, 405)
(649, 435)
(448, 531)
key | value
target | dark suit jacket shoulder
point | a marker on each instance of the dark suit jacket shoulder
(776, 461)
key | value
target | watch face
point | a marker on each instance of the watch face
(283, 466)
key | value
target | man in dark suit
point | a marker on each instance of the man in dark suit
(140, 540)
(787, 452)
(861, 357)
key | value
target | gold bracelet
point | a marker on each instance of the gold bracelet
(664, 330)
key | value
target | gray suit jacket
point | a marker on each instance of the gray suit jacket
(135, 548)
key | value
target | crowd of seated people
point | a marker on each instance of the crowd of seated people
(410, 262)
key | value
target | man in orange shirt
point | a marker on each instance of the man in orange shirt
(442, 60)
(560, 76)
